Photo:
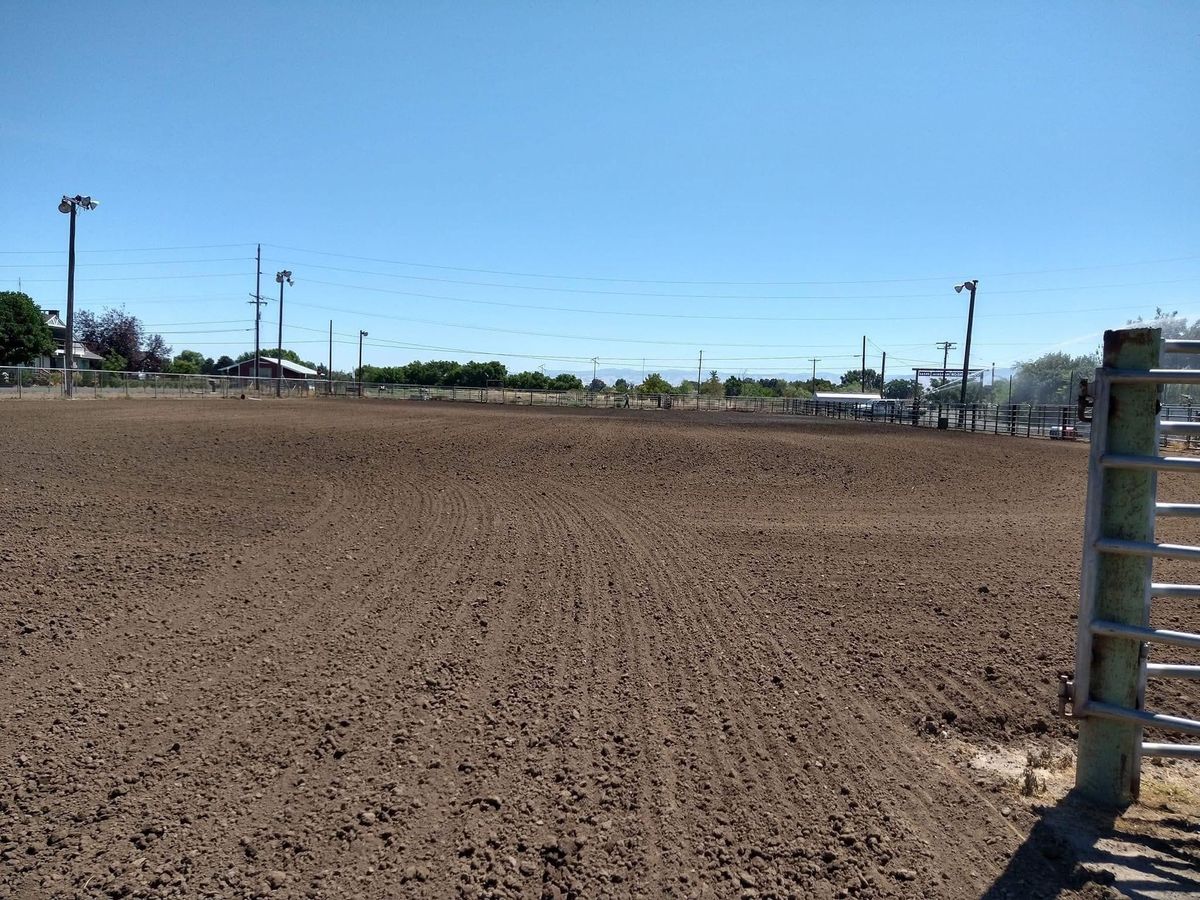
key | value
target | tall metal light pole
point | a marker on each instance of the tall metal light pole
(281, 277)
(70, 205)
(361, 334)
(814, 378)
(970, 286)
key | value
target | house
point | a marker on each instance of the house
(269, 368)
(83, 358)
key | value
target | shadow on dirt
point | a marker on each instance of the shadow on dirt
(1078, 848)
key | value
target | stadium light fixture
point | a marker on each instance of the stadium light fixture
(68, 206)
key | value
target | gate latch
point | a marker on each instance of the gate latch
(1066, 694)
(1084, 412)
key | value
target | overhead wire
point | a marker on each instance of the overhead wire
(150, 262)
(598, 278)
(693, 296)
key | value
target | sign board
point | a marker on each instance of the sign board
(947, 373)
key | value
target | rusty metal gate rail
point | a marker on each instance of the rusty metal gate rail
(1114, 637)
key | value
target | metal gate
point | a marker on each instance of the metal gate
(1114, 636)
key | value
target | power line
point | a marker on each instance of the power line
(141, 277)
(692, 296)
(131, 249)
(516, 274)
(149, 262)
(741, 318)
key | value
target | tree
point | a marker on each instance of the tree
(621, 386)
(188, 362)
(154, 357)
(866, 381)
(733, 386)
(478, 374)
(1047, 379)
(112, 331)
(24, 335)
(712, 386)
(115, 362)
(565, 382)
(526, 381)
(222, 363)
(903, 389)
(654, 383)
(596, 385)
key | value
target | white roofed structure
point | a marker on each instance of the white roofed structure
(836, 397)
(266, 365)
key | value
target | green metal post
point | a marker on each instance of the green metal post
(1116, 588)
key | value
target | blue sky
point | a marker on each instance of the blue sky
(765, 182)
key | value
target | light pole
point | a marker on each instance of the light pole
(958, 288)
(361, 334)
(281, 277)
(68, 206)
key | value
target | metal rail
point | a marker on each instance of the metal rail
(1114, 637)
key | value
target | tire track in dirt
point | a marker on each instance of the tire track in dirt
(716, 620)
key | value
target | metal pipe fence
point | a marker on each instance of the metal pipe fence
(1054, 421)
(1115, 638)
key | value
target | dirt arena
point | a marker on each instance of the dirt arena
(311, 649)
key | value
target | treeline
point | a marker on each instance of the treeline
(449, 373)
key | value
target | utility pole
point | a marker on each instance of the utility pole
(863, 380)
(945, 347)
(281, 277)
(882, 370)
(595, 361)
(329, 371)
(699, 366)
(814, 361)
(361, 334)
(258, 305)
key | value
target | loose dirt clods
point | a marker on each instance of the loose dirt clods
(374, 651)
